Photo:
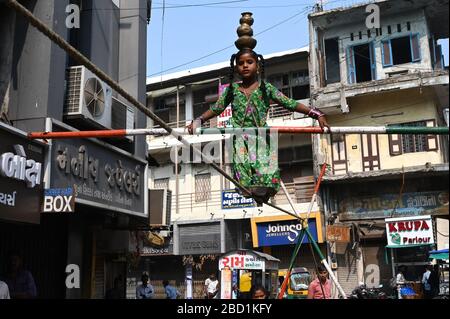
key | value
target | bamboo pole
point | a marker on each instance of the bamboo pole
(305, 230)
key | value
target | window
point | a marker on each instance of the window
(332, 60)
(401, 144)
(361, 63)
(161, 183)
(294, 84)
(202, 187)
(401, 50)
(339, 154)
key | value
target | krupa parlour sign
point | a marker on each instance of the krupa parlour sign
(409, 231)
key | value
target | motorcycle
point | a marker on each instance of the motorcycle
(362, 292)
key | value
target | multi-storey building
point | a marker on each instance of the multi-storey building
(206, 221)
(372, 75)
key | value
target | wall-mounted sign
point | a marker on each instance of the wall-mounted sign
(59, 200)
(283, 230)
(21, 173)
(382, 206)
(231, 199)
(224, 119)
(409, 231)
(199, 239)
(338, 234)
(100, 175)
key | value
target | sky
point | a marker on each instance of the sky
(185, 34)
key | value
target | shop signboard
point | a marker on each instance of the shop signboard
(409, 231)
(282, 230)
(390, 205)
(338, 234)
(100, 175)
(199, 239)
(241, 261)
(231, 199)
(21, 176)
(59, 200)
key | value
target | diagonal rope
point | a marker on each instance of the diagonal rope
(80, 58)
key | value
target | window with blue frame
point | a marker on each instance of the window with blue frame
(361, 63)
(401, 50)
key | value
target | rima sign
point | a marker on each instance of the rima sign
(409, 231)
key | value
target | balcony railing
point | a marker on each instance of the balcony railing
(301, 191)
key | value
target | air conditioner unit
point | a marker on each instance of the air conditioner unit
(88, 98)
(159, 207)
(122, 116)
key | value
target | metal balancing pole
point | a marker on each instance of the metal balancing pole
(221, 131)
(311, 239)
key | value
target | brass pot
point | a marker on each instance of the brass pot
(246, 18)
(245, 29)
(245, 42)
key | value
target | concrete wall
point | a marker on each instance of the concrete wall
(410, 106)
(36, 87)
(418, 26)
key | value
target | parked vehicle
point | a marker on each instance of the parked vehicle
(298, 284)
(362, 292)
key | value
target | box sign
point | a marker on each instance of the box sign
(409, 231)
(338, 234)
(282, 232)
(99, 176)
(382, 206)
(21, 174)
(240, 261)
(59, 200)
(231, 199)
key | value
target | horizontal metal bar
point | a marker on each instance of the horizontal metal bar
(248, 130)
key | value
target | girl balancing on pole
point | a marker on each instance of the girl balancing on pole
(255, 164)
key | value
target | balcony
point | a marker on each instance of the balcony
(301, 191)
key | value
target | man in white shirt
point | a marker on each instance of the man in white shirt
(211, 287)
(4, 291)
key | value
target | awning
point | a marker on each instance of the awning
(439, 254)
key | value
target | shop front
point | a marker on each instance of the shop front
(239, 265)
(277, 236)
(199, 246)
(40, 241)
(410, 240)
(108, 187)
(373, 254)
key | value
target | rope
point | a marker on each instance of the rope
(77, 56)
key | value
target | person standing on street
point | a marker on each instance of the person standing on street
(145, 291)
(320, 288)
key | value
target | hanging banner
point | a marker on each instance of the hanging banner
(409, 231)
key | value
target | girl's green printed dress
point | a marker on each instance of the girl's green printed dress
(254, 163)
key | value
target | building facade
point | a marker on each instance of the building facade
(43, 89)
(208, 216)
(391, 74)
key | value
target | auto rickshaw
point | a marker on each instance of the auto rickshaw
(298, 282)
